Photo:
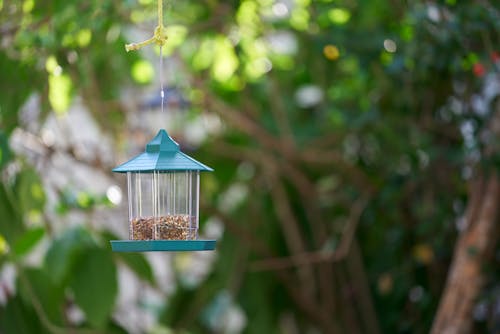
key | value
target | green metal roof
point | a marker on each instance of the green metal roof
(162, 154)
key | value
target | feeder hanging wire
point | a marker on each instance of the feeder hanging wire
(160, 38)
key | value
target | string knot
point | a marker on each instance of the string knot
(159, 35)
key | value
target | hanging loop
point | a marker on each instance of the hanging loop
(159, 35)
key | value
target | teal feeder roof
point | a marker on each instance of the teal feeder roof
(162, 154)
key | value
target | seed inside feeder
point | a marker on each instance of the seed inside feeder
(174, 227)
(142, 228)
(170, 227)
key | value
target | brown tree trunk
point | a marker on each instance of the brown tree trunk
(474, 246)
(465, 277)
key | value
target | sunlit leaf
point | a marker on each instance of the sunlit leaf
(339, 15)
(300, 19)
(27, 6)
(142, 71)
(225, 60)
(204, 57)
(4, 246)
(60, 89)
(28, 240)
(84, 37)
(176, 36)
(248, 18)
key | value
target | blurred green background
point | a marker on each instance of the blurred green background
(345, 136)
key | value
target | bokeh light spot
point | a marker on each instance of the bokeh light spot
(28, 6)
(60, 87)
(339, 16)
(4, 247)
(385, 284)
(280, 9)
(114, 194)
(331, 52)
(84, 37)
(142, 71)
(390, 45)
(423, 253)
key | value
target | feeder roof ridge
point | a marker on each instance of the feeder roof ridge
(162, 154)
(162, 142)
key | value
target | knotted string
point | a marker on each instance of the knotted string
(160, 38)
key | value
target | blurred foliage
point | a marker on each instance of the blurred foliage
(327, 106)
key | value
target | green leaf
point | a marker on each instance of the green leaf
(94, 284)
(11, 225)
(13, 318)
(18, 82)
(114, 328)
(64, 252)
(138, 264)
(36, 283)
(28, 240)
(5, 154)
(29, 191)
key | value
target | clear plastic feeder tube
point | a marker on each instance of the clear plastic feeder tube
(140, 203)
(163, 205)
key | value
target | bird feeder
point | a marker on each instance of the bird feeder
(163, 199)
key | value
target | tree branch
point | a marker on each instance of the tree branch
(309, 258)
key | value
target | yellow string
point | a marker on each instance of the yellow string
(160, 13)
(159, 35)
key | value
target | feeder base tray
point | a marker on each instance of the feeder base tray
(162, 245)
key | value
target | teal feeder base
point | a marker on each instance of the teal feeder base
(162, 245)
